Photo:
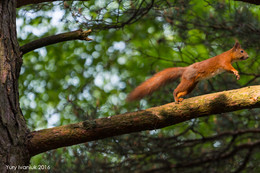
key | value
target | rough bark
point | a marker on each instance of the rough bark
(149, 119)
(13, 130)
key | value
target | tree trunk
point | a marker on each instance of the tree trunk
(13, 129)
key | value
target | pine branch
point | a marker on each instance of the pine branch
(74, 35)
(21, 3)
(149, 119)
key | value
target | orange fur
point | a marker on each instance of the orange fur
(191, 75)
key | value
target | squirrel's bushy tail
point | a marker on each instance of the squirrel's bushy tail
(155, 82)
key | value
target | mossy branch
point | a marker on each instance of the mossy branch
(149, 119)
(21, 3)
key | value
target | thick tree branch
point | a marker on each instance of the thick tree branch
(27, 2)
(74, 35)
(257, 2)
(149, 119)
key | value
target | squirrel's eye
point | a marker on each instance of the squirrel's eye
(241, 51)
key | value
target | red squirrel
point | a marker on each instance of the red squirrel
(191, 75)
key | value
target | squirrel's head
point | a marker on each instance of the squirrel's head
(238, 53)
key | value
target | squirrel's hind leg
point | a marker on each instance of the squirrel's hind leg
(184, 88)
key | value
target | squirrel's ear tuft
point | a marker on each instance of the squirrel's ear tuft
(236, 46)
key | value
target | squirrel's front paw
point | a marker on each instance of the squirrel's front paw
(237, 75)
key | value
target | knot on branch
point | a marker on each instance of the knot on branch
(84, 34)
